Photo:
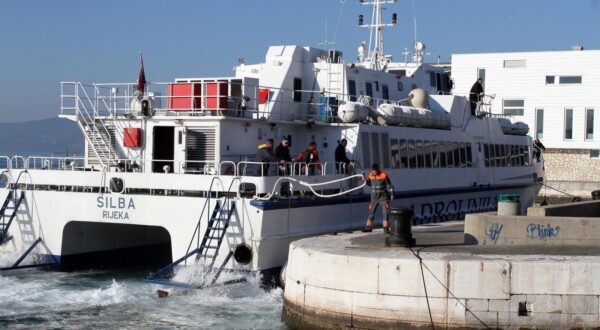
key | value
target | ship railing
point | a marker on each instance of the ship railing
(55, 163)
(227, 97)
(18, 162)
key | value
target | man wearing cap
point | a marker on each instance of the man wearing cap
(382, 192)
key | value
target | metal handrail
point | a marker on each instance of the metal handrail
(5, 160)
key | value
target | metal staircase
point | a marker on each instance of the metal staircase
(101, 142)
(206, 249)
(4, 223)
(335, 79)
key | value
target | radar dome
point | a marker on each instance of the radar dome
(418, 98)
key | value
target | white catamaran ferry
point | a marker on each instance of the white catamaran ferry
(171, 170)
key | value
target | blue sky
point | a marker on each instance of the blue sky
(45, 42)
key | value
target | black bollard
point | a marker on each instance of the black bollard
(400, 229)
(596, 194)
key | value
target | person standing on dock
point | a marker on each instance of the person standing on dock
(476, 94)
(382, 192)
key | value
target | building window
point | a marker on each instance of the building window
(595, 153)
(515, 63)
(481, 75)
(550, 80)
(297, 90)
(568, 124)
(539, 123)
(513, 107)
(569, 80)
(352, 90)
(589, 124)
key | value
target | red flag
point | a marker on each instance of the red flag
(142, 77)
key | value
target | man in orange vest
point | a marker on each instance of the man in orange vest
(382, 192)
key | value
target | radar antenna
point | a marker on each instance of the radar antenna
(375, 58)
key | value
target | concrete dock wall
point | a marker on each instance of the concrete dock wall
(491, 229)
(333, 283)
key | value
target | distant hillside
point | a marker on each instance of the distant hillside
(41, 137)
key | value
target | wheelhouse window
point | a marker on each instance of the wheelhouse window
(513, 107)
(352, 89)
(589, 124)
(568, 124)
(385, 91)
(369, 88)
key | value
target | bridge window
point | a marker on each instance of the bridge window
(297, 90)
(352, 90)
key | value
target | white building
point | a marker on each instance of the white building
(557, 93)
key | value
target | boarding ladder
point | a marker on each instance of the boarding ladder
(15, 199)
(208, 248)
(335, 79)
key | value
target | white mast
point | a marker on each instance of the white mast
(376, 56)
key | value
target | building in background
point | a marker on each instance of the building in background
(557, 93)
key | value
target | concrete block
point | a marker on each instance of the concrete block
(343, 272)
(553, 277)
(506, 305)
(402, 308)
(572, 304)
(294, 292)
(583, 321)
(487, 320)
(545, 303)
(456, 311)
(403, 277)
(297, 257)
(480, 279)
(328, 300)
(477, 305)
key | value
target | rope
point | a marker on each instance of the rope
(311, 185)
(560, 191)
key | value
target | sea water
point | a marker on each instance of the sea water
(120, 299)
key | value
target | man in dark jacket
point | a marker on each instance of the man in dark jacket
(381, 193)
(341, 160)
(476, 95)
(265, 156)
(282, 155)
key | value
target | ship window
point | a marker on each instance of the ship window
(377, 86)
(352, 90)
(522, 159)
(395, 149)
(486, 149)
(506, 159)
(442, 149)
(297, 90)
(369, 88)
(463, 154)
(364, 136)
(456, 155)
(514, 156)
(403, 154)
(513, 107)
(432, 79)
(375, 149)
(427, 153)
(449, 156)
(589, 124)
(568, 124)
(386, 150)
(527, 162)
(435, 155)
(412, 154)
(419, 151)
(385, 91)
(498, 155)
(469, 156)
(569, 80)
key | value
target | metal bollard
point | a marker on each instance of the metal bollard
(596, 195)
(400, 229)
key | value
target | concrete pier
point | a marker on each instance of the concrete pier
(353, 280)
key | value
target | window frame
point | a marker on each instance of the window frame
(513, 108)
(565, 121)
(587, 124)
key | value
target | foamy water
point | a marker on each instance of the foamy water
(121, 300)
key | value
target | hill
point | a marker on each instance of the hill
(41, 137)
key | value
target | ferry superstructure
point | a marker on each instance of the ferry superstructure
(170, 169)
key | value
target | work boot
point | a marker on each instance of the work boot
(386, 230)
(367, 229)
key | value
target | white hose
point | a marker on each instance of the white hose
(311, 185)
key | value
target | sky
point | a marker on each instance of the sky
(44, 42)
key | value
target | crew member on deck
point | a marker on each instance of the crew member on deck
(310, 158)
(341, 160)
(282, 154)
(382, 192)
(476, 95)
(265, 156)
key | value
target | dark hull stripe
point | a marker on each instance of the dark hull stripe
(277, 204)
